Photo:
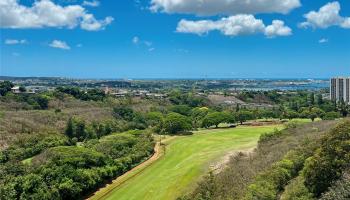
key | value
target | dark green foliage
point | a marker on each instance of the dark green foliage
(244, 115)
(39, 102)
(34, 101)
(176, 123)
(124, 112)
(70, 128)
(179, 98)
(181, 109)
(268, 184)
(343, 108)
(76, 128)
(268, 136)
(28, 146)
(330, 159)
(80, 130)
(22, 89)
(296, 190)
(70, 172)
(5, 87)
(89, 95)
(331, 116)
(197, 116)
(340, 190)
(155, 120)
(215, 118)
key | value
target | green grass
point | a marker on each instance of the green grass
(186, 159)
(27, 161)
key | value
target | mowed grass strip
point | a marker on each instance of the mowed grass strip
(186, 159)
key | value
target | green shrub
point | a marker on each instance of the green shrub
(331, 116)
(296, 190)
(340, 190)
(270, 183)
(267, 136)
(330, 159)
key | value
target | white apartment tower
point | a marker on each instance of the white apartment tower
(340, 89)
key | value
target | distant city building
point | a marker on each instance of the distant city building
(340, 89)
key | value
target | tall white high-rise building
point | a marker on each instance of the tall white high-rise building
(340, 89)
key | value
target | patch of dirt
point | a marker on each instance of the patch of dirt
(220, 99)
(220, 165)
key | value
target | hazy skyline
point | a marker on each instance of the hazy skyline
(175, 39)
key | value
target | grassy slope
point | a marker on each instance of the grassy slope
(186, 159)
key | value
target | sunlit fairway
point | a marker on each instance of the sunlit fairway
(187, 158)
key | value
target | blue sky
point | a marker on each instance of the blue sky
(158, 39)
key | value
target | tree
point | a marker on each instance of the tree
(124, 112)
(80, 131)
(155, 120)
(312, 99)
(76, 128)
(70, 128)
(237, 107)
(331, 116)
(244, 115)
(318, 112)
(197, 115)
(215, 118)
(312, 115)
(42, 101)
(175, 123)
(181, 109)
(332, 157)
(291, 114)
(22, 89)
(343, 108)
(319, 99)
(5, 87)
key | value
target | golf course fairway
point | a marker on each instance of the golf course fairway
(186, 159)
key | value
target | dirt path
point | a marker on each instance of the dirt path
(102, 192)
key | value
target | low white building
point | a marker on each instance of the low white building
(15, 90)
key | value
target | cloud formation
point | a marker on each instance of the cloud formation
(234, 26)
(135, 40)
(14, 41)
(45, 13)
(93, 3)
(277, 28)
(325, 17)
(323, 40)
(224, 7)
(59, 44)
(148, 44)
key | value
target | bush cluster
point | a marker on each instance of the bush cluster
(70, 172)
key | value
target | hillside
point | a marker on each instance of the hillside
(306, 162)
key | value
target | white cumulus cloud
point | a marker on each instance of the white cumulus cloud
(277, 28)
(14, 41)
(326, 16)
(45, 13)
(234, 26)
(59, 44)
(224, 7)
